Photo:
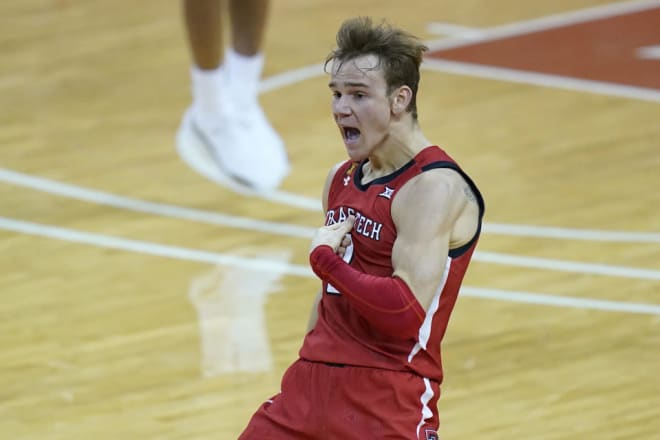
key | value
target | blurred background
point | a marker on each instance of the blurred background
(139, 300)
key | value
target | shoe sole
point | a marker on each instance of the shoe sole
(196, 154)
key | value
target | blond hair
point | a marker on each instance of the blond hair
(399, 52)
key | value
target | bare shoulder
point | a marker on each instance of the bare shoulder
(438, 199)
(328, 182)
(433, 189)
(334, 169)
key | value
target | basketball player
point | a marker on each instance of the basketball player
(225, 117)
(402, 221)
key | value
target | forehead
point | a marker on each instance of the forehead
(363, 69)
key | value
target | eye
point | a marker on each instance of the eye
(359, 95)
(336, 95)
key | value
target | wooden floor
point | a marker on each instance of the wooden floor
(141, 301)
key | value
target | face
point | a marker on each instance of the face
(360, 105)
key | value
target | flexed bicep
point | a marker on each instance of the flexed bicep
(425, 212)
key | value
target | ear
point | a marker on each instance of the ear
(401, 97)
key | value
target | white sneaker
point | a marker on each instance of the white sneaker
(241, 150)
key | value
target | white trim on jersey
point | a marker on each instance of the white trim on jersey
(425, 329)
(425, 399)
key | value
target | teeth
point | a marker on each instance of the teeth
(351, 133)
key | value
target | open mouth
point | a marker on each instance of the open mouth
(351, 134)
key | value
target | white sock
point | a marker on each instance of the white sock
(243, 76)
(208, 88)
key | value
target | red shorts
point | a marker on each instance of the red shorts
(319, 401)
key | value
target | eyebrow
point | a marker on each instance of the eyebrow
(349, 84)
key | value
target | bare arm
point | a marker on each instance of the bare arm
(426, 212)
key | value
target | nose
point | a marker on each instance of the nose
(340, 107)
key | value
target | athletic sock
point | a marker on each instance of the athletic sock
(243, 76)
(207, 89)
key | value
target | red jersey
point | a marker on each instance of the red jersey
(341, 335)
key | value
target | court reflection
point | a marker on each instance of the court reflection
(230, 307)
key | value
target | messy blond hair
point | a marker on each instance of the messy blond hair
(399, 52)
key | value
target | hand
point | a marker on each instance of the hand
(345, 243)
(334, 235)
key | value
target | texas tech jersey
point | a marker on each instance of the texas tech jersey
(341, 335)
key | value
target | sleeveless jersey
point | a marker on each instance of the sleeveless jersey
(341, 335)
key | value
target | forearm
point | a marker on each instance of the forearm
(387, 303)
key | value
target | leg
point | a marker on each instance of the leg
(225, 135)
(203, 24)
(248, 18)
(383, 404)
(296, 413)
(244, 60)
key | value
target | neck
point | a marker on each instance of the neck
(401, 144)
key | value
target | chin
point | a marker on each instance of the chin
(355, 155)
(357, 152)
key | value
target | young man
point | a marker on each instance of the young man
(402, 222)
(225, 119)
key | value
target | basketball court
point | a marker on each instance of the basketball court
(142, 300)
